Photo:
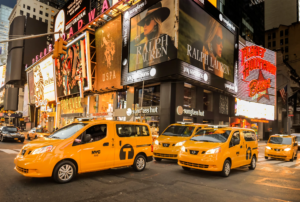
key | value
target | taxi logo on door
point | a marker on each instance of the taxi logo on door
(126, 152)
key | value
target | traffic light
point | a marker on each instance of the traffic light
(56, 55)
(62, 46)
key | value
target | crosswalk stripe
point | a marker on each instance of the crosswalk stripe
(9, 151)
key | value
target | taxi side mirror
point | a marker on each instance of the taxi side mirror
(87, 138)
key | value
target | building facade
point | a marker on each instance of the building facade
(4, 30)
(37, 10)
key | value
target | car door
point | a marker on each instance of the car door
(93, 154)
(248, 139)
(125, 144)
(235, 150)
(143, 140)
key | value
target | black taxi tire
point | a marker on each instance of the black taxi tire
(266, 157)
(28, 138)
(295, 158)
(22, 140)
(186, 168)
(292, 159)
(226, 168)
(2, 138)
(139, 163)
(253, 163)
(157, 159)
(64, 172)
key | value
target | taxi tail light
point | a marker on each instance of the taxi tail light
(152, 148)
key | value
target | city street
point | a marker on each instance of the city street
(272, 180)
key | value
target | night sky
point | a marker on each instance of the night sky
(9, 3)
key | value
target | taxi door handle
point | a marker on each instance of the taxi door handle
(105, 144)
(237, 152)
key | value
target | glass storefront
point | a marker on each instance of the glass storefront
(189, 99)
(208, 100)
(122, 97)
(150, 96)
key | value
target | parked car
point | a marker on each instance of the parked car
(35, 133)
(10, 133)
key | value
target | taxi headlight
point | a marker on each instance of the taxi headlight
(156, 142)
(267, 147)
(183, 148)
(287, 149)
(40, 136)
(179, 143)
(43, 150)
(6, 135)
(214, 151)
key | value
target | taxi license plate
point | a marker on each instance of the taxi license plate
(15, 138)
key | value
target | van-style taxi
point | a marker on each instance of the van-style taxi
(168, 144)
(220, 150)
(282, 147)
(86, 146)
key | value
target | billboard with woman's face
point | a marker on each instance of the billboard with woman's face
(152, 36)
(72, 69)
(204, 42)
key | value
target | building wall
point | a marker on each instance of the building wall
(278, 12)
(32, 9)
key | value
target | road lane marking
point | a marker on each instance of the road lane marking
(9, 151)
(263, 182)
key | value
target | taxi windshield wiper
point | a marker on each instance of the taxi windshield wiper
(55, 137)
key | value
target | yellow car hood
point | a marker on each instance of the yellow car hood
(198, 145)
(42, 142)
(171, 139)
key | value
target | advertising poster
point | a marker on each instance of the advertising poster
(109, 54)
(2, 95)
(2, 75)
(31, 87)
(257, 74)
(71, 69)
(44, 80)
(152, 36)
(204, 42)
(26, 101)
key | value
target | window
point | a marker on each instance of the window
(269, 36)
(28, 15)
(47, 15)
(41, 12)
(179, 131)
(34, 10)
(67, 131)
(274, 43)
(122, 97)
(281, 42)
(208, 100)
(47, 9)
(41, 7)
(132, 130)
(286, 49)
(281, 33)
(28, 7)
(249, 136)
(34, 17)
(98, 132)
(286, 57)
(52, 11)
(269, 44)
(189, 97)
(224, 105)
(280, 140)
(150, 97)
(274, 35)
(235, 136)
(46, 21)
(286, 32)
(286, 40)
(40, 19)
(23, 5)
(21, 12)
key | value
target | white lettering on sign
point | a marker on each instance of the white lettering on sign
(147, 110)
(141, 74)
(193, 112)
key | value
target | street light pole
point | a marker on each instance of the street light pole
(30, 37)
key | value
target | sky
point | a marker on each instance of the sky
(9, 3)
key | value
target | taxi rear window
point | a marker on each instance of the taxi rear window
(280, 140)
(127, 130)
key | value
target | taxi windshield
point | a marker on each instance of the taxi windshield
(212, 136)
(39, 130)
(67, 131)
(180, 131)
(280, 140)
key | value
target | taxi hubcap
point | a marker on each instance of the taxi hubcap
(140, 163)
(253, 162)
(65, 172)
(227, 169)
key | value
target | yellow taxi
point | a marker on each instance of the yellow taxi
(86, 146)
(282, 147)
(220, 150)
(168, 144)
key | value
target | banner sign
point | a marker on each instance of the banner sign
(31, 87)
(2, 75)
(257, 74)
(26, 101)
(71, 105)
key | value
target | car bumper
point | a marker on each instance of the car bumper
(201, 162)
(166, 152)
(13, 138)
(32, 168)
(279, 155)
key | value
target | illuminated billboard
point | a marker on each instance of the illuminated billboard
(253, 110)
(2, 75)
(256, 74)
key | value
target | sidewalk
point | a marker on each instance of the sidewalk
(262, 143)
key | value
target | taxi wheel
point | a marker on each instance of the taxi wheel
(226, 168)
(35, 137)
(157, 159)
(253, 163)
(292, 159)
(2, 138)
(22, 140)
(296, 156)
(139, 163)
(266, 157)
(28, 138)
(186, 168)
(64, 172)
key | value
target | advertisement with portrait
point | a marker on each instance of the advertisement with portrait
(152, 36)
(2, 75)
(72, 70)
(31, 87)
(109, 54)
(257, 74)
(26, 101)
(204, 42)
(44, 81)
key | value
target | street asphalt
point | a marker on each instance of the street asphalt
(272, 180)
